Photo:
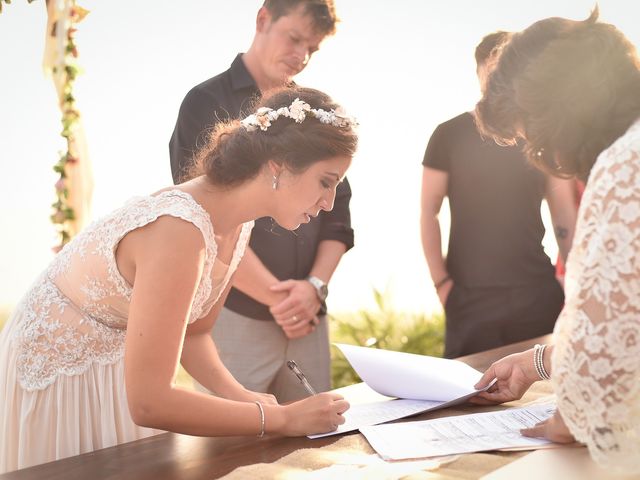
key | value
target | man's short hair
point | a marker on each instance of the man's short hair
(487, 46)
(323, 12)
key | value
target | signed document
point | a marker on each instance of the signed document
(458, 434)
(379, 412)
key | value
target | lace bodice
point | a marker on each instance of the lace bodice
(596, 361)
(76, 312)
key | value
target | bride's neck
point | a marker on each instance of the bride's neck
(227, 207)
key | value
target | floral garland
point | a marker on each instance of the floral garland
(65, 71)
(63, 214)
(297, 111)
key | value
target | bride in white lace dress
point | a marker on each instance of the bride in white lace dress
(88, 358)
(572, 91)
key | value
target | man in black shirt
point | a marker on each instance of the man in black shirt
(283, 275)
(497, 285)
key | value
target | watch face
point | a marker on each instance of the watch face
(321, 288)
(323, 291)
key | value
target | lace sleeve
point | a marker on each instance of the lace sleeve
(596, 361)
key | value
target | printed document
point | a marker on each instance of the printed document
(379, 412)
(458, 434)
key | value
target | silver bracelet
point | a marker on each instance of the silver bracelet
(261, 434)
(538, 361)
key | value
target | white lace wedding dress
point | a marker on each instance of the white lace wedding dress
(596, 361)
(62, 386)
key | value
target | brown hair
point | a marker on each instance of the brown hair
(323, 12)
(489, 45)
(570, 88)
(234, 155)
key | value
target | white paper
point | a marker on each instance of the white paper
(379, 412)
(407, 375)
(459, 434)
(423, 383)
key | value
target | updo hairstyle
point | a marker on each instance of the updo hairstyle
(234, 155)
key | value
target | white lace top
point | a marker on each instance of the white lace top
(596, 361)
(76, 312)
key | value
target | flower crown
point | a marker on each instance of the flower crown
(297, 111)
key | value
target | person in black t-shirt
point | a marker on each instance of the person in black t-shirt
(284, 275)
(497, 285)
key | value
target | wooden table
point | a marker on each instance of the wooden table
(171, 456)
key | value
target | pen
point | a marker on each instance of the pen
(293, 366)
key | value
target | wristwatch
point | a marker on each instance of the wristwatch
(321, 288)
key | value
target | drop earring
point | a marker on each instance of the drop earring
(274, 185)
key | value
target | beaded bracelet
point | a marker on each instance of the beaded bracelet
(538, 361)
(261, 434)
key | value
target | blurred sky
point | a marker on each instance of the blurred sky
(401, 67)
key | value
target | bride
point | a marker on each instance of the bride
(90, 354)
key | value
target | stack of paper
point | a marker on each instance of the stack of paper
(458, 434)
(414, 383)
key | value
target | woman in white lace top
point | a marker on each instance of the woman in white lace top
(571, 89)
(89, 356)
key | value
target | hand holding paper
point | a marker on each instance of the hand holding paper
(422, 384)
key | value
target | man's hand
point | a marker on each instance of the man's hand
(296, 314)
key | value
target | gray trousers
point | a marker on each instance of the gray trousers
(256, 354)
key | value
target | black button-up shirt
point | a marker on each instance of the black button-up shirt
(287, 254)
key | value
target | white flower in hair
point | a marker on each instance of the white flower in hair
(272, 114)
(322, 115)
(263, 122)
(342, 118)
(250, 123)
(298, 110)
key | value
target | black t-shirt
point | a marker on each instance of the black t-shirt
(286, 254)
(494, 197)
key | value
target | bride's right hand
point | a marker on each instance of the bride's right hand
(320, 413)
